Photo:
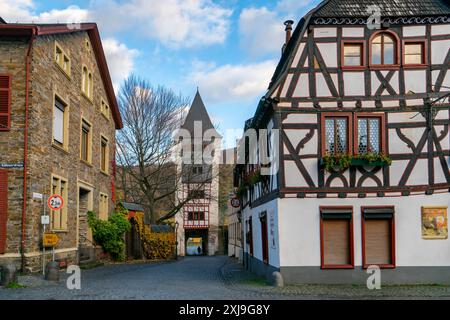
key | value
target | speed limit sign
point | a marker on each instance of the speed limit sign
(55, 202)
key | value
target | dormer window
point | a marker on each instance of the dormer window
(384, 49)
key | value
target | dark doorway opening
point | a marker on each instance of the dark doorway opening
(193, 246)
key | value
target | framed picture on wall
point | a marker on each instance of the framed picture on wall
(434, 223)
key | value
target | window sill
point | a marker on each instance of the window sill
(60, 231)
(381, 266)
(104, 173)
(415, 66)
(344, 266)
(86, 163)
(384, 67)
(60, 148)
(67, 74)
(91, 100)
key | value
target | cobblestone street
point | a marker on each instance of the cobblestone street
(196, 279)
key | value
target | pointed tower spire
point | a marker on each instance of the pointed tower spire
(198, 113)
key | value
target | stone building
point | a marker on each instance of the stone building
(58, 116)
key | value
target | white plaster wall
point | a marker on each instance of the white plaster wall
(439, 50)
(322, 86)
(354, 83)
(353, 32)
(286, 85)
(295, 136)
(329, 53)
(441, 29)
(302, 86)
(293, 176)
(415, 81)
(414, 31)
(301, 118)
(299, 53)
(272, 210)
(325, 32)
(299, 229)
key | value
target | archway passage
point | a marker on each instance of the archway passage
(196, 242)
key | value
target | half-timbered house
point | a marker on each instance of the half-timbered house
(363, 178)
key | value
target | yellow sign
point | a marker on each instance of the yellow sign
(50, 239)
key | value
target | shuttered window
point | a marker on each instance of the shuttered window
(5, 102)
(337, 238)
(3, 209)
(378, 237)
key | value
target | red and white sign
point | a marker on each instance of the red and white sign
(55, 202)
(235, 203)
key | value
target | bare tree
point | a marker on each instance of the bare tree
(147, 174)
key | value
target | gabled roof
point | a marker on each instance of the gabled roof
(132, 206)
(389, 8)
(33, 30)
(197, 113)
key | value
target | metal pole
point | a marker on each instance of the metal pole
(43, 247)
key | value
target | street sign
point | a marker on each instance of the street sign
(55, 202)
(50, 239)
(45, 220)
(235, 203)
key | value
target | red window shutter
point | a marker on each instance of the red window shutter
(3, 208)
(5, 102)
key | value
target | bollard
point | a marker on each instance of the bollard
(52, 271)
(8, 274)
(276, 279)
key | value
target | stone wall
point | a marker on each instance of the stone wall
(45, 159)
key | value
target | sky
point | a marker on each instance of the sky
(229, 49)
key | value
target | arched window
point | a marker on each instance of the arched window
(384, 49)
(84, 84)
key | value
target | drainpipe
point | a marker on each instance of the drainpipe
(25, 148)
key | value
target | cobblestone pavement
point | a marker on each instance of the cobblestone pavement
(198, 278)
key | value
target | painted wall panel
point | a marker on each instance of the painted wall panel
(299, 229)
(286, 85)
(302, 86)
(301, 118)
(415, 81)
(325, 32)
(439, 50)
(441, 29)
(353, 32)
(354, 83)
(329, 53)
(414, 31)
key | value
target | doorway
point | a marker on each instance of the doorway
(196, 242)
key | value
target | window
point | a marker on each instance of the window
(369, 136)
(196, 216)
(104, 108)
(60, 123)
(414, 53)
(62, 60)
(336, 134)
(197, 170)
(86, 138)
(264, 238)
(336, 229)
(103, 206)
(59, 217)
(384, 49)
(87, 83)
(353, 55)
(5, 102)
(104, 154)
(378, 240)
(196, 194)
(250, 235)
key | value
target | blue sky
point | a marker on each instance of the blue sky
(229, 49)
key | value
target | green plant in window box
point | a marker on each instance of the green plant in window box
(372, 159)
(241, 191)
(334, 162)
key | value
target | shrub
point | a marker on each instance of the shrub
(110, 234)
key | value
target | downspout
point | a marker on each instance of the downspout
(25, 148)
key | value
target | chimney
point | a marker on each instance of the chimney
(288, 30)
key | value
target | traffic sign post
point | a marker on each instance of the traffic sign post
(55, 202)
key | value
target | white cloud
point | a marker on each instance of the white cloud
(176, 23)
(23, 11)
(261, 31)
(120, 60)
(234, 82)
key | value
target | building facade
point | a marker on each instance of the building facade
(362, 112)
(198, 192)
(58, 116)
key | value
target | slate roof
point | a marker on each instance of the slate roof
(198, 113)
(132, 206)
(389, 8)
